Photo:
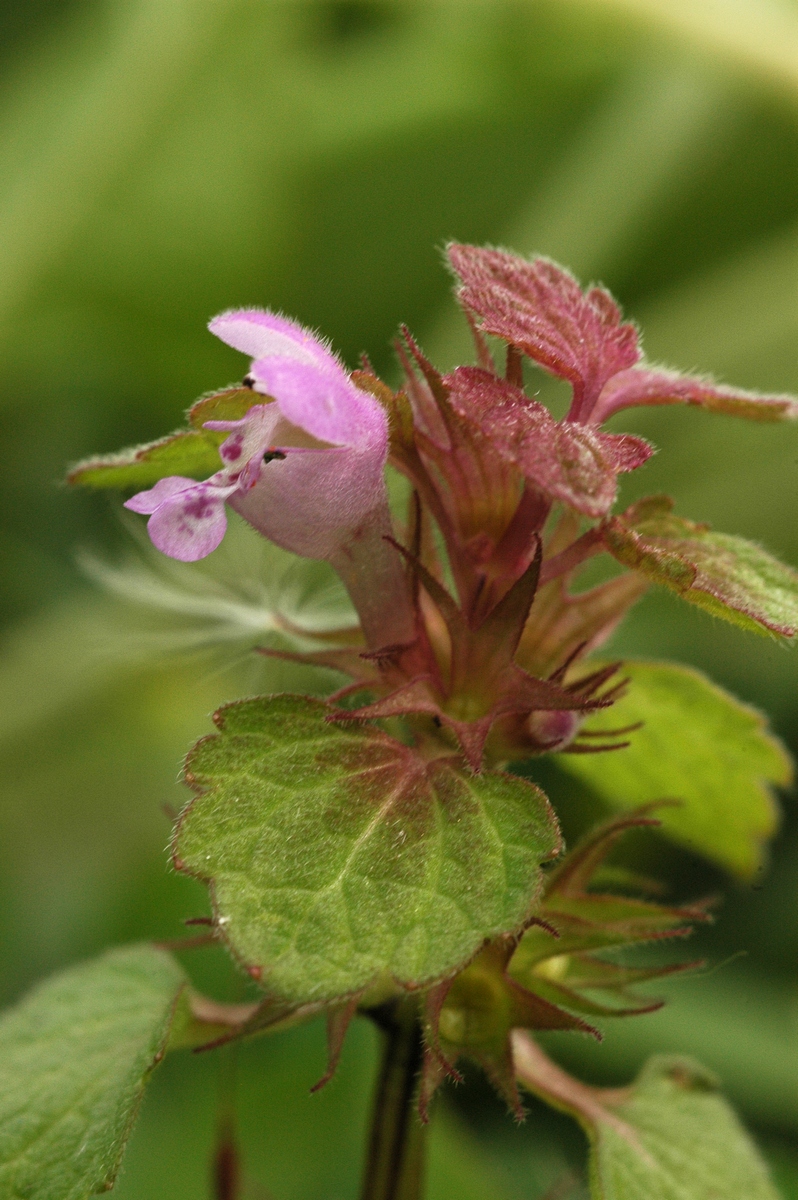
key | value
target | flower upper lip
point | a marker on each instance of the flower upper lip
(309, 382)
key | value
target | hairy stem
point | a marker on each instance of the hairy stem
(395, 1161)
(374, 575)
(541, 1075)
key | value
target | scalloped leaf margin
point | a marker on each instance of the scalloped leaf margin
(338, 857)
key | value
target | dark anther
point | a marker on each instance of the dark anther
(248, 381)
(273, 454)
(436, 721)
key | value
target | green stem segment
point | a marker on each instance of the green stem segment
(395, 1162)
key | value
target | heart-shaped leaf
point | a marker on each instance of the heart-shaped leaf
(338, 857)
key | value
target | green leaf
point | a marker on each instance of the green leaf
(700, 746)
(186, 452)
(190, 452)
(75, 1055)
(338, 857)
(676, 1138)
(231, 404)
(728, 576)
(670, 1136)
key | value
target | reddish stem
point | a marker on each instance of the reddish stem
(580, 551)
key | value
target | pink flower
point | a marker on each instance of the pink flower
(187, 518)
(305, 468)
(334, 437)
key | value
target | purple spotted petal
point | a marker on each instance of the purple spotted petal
(263, 334)
(191, 523)
(147, 502)
(250, 437)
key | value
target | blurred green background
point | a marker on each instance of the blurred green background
(165, 159)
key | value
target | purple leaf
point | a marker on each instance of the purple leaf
(540, 308)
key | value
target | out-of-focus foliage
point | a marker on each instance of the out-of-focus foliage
(75, 1057)
(670, 1134)
(165, 161)
(703, 750)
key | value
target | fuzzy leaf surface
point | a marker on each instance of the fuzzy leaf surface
(187, 452)
(670, 1136)
(658, 386)
(567, 460)
(700, 746)
(540, 308)
(231, 404)
(728, 576)
(192, 453)
(690, 1144)
(337, 856)
(75, 1056)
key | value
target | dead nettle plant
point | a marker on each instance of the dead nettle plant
(374, 852)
